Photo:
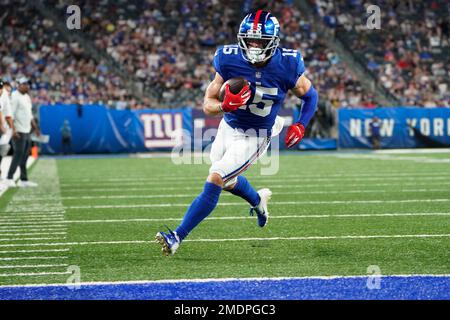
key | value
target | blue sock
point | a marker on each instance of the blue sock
(244, 189)
(199, 209)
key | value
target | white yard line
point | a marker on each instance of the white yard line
(33, 274)
(263, 179)
(345, 237)
(168, 205)
(26, 217)
(26, 214)
(33, 266)
(31, 258)
(292, 216)
(7, 222)
(284, 186)
(34, 251)
(37, 210)
(274, 193)
(32, 220)
(33, 228)
(26, 208)
(244, 217)
(323, 237)
(249, 279)
(31, 224)
(26, 220)
(31, 233)
(184, 178)
(29, 239)
(226, 194)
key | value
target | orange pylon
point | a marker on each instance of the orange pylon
(34, 152)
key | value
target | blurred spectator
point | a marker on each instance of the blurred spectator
(375, 126)
(66, 138)
(323, 121)
(168, 47)
(61, 72)
(409, 56)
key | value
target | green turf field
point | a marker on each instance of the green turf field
(331, 214)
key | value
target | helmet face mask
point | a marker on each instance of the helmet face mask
(259, 41)
(258, 54)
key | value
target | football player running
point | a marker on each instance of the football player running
(249, 118)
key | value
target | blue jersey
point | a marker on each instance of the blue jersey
(375, 128)
(269, 84)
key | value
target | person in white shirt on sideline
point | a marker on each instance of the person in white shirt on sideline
(6, 120)
(1, 108)
(22, 114)
(2, 187)
(2, 129)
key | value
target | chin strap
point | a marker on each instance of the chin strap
(256, 54)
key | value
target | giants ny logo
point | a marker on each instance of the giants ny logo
(162, 130)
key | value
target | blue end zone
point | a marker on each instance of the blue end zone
(391, 287)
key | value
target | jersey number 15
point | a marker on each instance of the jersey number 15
(258, 98)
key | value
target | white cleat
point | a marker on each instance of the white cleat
(9, 183)
(169, 241)
(26, 184)
(261, 210)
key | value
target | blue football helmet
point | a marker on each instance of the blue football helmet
(263, 27)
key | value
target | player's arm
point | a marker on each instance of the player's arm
(231, 102)
(305, 91)
(211, 103)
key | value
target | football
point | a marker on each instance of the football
(236, 85)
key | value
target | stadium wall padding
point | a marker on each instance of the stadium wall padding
(401, 127)
(97, 129)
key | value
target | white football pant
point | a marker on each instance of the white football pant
(233, 151)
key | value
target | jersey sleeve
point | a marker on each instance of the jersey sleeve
(297, 68)
(217, 61)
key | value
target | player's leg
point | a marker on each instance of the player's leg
(200, 208)
(205, 202)
(237, 184)
(241, 187)
(257, 199)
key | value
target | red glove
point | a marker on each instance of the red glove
(232, 102)
(294, 134)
